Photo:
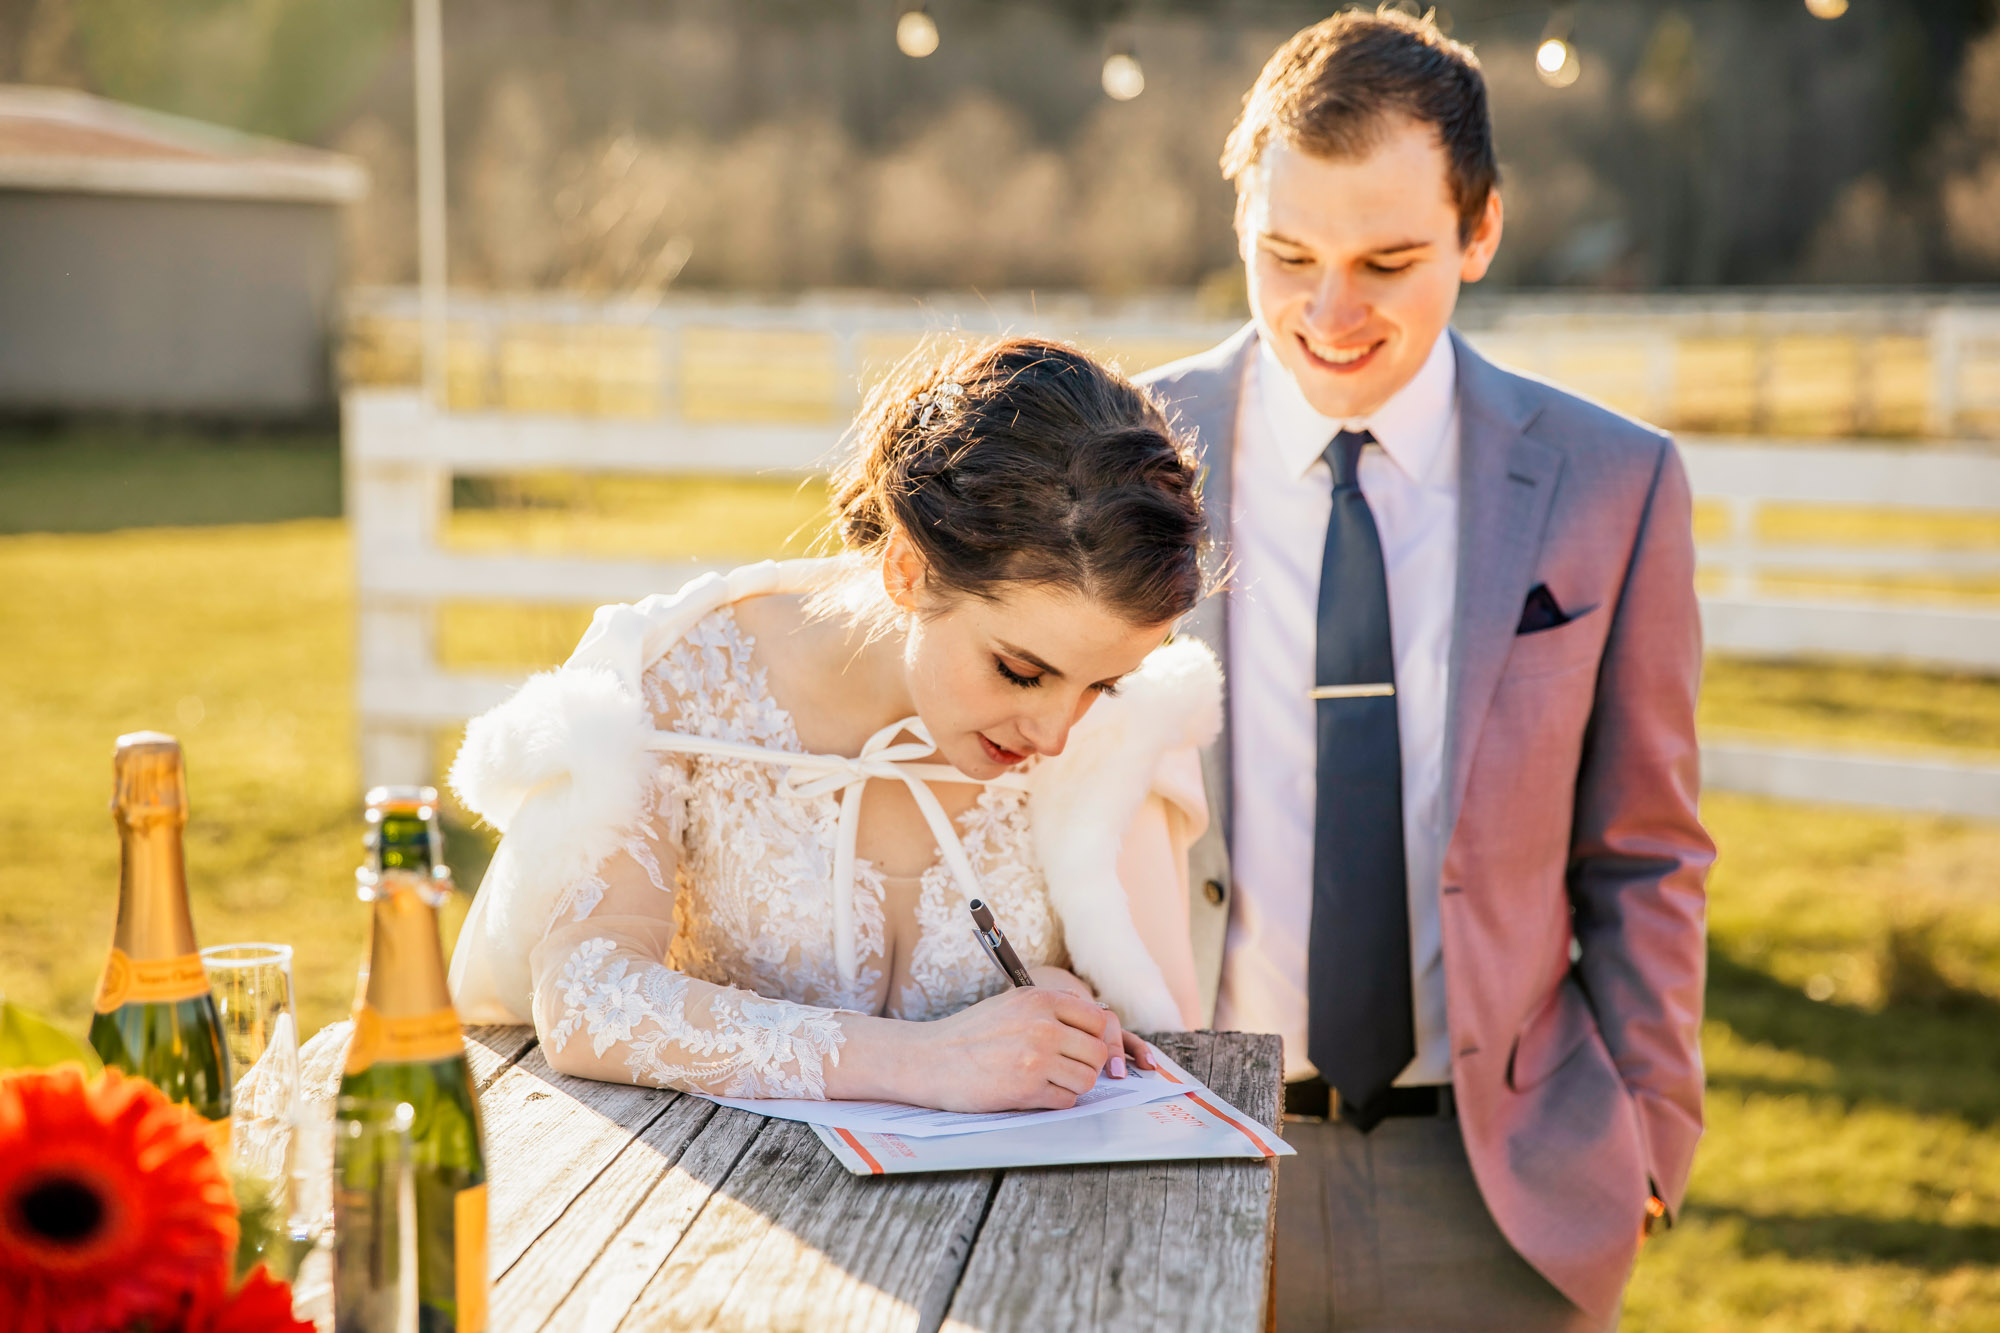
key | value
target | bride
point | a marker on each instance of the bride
(743, 824)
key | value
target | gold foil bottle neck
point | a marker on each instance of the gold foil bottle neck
(148, 780)
(406, 971)
(149, 803)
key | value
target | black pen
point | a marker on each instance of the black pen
(995, 943)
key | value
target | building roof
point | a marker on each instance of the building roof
(56, 139)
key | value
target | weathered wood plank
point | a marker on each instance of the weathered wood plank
(1141, 1246)
(547, 1137)
(624, 1208)
(792, 1242)
(1221, 1259)
(491, 1051)
(608, 1280)
(1246, 1068)
(566, 1254)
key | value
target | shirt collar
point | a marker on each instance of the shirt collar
(1413, 427)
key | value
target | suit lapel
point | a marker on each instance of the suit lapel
(1202, 399)
(1507, 484)
(1203, 404)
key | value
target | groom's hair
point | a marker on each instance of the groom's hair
(1025, 461)
(1334, 87)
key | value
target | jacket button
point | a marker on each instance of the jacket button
(1214, 892)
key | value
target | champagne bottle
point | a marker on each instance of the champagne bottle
(156, 1017)
(408, 1048)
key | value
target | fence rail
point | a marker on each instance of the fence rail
(401, 457)
(1891, 365)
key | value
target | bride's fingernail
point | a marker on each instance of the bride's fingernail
(1118, 1066)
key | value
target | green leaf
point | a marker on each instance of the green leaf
(26, 1040)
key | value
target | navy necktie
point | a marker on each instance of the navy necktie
(1360, 1031)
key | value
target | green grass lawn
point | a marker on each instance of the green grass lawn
(1850, 1179)
(96, 477)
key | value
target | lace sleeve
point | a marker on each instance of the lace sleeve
(607, 1007)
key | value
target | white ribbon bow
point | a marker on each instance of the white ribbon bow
(808, 776)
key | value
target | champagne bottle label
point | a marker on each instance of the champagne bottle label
(149, 981)
(402, 1041)
(469, 1259)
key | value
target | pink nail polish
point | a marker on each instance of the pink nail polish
(1118, 1066)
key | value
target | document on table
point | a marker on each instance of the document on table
(1188, 1125)
(1138, 1087)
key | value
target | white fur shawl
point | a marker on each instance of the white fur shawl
(562, 770)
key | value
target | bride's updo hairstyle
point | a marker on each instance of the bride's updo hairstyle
(1026, 461)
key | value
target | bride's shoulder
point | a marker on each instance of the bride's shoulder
(629, 638)
(772, 616)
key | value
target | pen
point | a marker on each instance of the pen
(996, 946)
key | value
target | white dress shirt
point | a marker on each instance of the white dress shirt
(1280, 500)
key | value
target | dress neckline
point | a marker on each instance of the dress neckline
(886, 755)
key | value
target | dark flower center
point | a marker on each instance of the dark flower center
(62, 1210)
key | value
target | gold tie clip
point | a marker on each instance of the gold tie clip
(1381, 691)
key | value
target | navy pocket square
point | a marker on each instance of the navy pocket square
(1540, 612)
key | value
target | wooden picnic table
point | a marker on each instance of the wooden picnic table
(626, 1208)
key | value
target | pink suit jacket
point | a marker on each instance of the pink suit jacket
(1572, 892)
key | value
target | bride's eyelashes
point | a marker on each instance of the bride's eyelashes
(1013, 677)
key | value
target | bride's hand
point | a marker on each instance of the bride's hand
(1121, 1044)
(1034, 1048)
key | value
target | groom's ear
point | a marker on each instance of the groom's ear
(1477, 255)
(1248, 182)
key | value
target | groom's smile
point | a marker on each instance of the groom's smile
(1342, 360)
(1354, 262)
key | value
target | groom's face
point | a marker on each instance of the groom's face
(1355, 263)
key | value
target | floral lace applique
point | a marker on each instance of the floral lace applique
(741, 1046)
(948, 969)
(583, 898)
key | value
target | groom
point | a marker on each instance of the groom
(1463, 870)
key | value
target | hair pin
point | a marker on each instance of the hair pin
(949, 394)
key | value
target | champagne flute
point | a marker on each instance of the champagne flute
(252, 984)
(253, 990)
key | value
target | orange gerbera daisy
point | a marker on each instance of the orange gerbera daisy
(263, 1304)
(113, 1205)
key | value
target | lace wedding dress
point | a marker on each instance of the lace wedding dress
(744, 913)
(678, 902)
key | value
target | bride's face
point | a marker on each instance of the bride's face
(1000, 681)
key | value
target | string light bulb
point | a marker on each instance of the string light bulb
(916, 32)
(1826, 9)
(1123, 77)
(1556, 63)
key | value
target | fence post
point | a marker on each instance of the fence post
(1742, 581)
(1945, 347)
(396, 507)
(1662, 352)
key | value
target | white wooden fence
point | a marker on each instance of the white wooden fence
(1888, 364)
(401, 456)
